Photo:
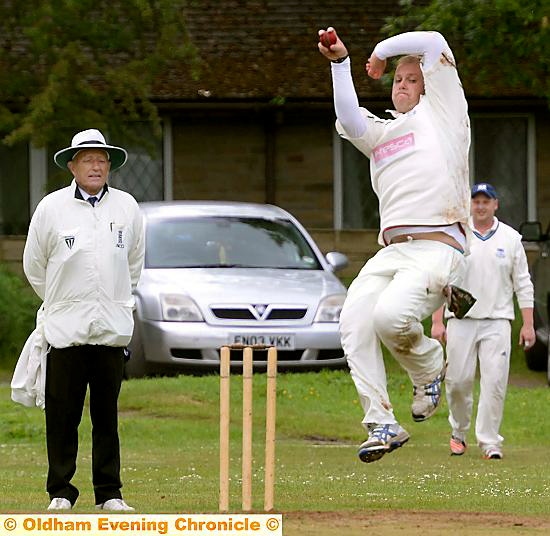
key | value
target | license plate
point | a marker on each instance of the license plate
(281, 342)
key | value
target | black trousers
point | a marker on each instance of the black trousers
(69, 372)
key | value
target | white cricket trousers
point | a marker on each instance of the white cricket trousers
(470, 340)
(395, 290)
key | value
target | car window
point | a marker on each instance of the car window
(227, 242)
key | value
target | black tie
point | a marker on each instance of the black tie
(92, 200)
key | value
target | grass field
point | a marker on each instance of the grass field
(169, 436)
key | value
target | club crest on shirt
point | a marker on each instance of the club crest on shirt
(69, 240)
(500, 253)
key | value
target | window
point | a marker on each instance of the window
(142, 175)
(227, 241)
(502, 153)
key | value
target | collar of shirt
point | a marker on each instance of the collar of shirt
(488, 232)
(79, 193)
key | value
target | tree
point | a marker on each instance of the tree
(501, 45)
(66, 65)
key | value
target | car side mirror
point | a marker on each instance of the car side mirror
(337, 260)
(531, 231)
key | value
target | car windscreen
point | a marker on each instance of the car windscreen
(223, 242)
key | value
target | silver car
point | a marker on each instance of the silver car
(219, 273)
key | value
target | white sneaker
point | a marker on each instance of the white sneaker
(492, 453)
(427, 397)
(115, 505)
(60, 503)
(383, 438)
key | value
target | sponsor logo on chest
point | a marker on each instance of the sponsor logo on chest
(389, 149)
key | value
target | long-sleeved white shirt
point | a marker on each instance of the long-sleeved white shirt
(418, 160)
(84, 263)
(496, 269)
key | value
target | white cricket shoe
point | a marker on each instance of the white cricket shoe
(60, 503)
(492, 453)
(426, 398)
(383, 438)
(115, 505)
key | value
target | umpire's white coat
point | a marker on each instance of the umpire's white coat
(84, 262)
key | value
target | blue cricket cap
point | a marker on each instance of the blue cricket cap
(484, 188)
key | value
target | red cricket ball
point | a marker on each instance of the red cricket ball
(328, 38)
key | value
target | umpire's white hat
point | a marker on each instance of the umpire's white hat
(91, 139)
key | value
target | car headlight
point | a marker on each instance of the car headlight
(179, 308)
(330, 308)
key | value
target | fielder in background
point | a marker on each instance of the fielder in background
(495, 269)
(83, 257)
(419, 171)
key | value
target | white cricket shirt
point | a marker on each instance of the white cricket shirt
(419, 160)
(496, 269)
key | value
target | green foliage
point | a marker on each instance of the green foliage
(69, 64)
(503, 44)
(18, 308)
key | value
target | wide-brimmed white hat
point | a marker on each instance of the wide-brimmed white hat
(91, 139)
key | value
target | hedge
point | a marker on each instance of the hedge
(18, 306)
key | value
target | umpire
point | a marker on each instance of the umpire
(83, 257)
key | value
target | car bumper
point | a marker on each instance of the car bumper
(197, 344)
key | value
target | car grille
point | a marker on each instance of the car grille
(237, 314)
(246, 313)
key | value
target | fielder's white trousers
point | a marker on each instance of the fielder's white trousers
(395, 290)
(470, 340)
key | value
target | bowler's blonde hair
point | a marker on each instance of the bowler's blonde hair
(410, 58)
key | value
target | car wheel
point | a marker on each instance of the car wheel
(136, 366)
(537, 356)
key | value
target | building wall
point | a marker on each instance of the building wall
(257, 157)
(217, 159)
(303, 171)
